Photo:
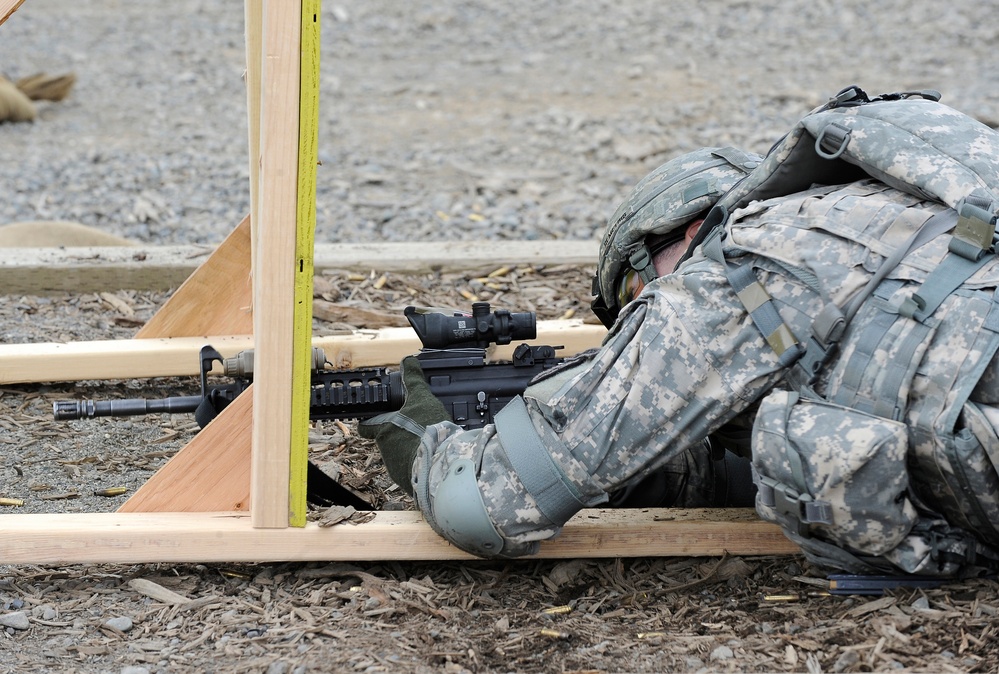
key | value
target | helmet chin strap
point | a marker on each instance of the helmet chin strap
(662, 262)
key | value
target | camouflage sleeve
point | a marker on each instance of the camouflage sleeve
(683, 359)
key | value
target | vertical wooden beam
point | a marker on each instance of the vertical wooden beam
(274, 263)
(253, 19)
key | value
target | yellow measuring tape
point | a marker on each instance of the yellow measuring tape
(308, 157)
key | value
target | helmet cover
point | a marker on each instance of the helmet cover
(661, 204)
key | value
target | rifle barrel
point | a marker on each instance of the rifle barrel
(88, 409)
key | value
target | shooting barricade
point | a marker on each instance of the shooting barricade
(226, 495)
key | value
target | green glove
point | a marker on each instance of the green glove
(398, 434)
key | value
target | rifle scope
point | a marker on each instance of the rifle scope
(439, 330)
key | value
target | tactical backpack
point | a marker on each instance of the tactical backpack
(871, 457)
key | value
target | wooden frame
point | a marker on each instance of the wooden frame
(227, 537)
(8, 7)
(41, 271)
(218, 528)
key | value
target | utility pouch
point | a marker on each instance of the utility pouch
(832, 473)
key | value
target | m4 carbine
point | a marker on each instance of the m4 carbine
(453, 359)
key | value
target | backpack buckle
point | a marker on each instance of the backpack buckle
(799, 508)
(975, 229)
(832, 141)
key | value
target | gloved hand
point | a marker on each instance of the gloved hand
(398, 434)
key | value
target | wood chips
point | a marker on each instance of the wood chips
(636, 615)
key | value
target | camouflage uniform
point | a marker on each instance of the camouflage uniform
(685, 358)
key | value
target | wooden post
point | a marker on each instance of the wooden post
(305, 234)
(274, 264)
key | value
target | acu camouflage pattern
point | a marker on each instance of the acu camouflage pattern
(685, 358)
(916, 145)
(832, 239)
(681, 361)
(664, 201)
(847, 466)
(933, 152)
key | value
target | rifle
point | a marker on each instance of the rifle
(454, 362)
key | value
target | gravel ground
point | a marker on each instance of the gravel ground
(451, 119)
(439, 120)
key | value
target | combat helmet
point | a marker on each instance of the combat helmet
(655, 215)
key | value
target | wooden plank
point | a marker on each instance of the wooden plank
(8, 7)
(210, 473)
(128, 538)
(45, 271)
(274, 263)
(215, 299)
(171, 357)
(253, 18)
(178, 356)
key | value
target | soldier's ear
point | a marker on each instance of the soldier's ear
(692, 230)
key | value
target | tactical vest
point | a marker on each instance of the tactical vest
(874, 457)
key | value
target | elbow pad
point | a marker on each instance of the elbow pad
(536, 496)
(459, 515)
(453, 505)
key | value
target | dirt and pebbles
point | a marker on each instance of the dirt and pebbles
(440, 120)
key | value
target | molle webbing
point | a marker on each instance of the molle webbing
(880, 387)
(968, 252)
(754, 297)
(891, 330)
(828, 327)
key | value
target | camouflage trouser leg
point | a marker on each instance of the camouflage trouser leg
(697, 478)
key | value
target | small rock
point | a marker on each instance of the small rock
(921, 603)
(722, 653)
(17, 620)
(278, 667)
(134, 669)
(45, 612)
(120, 623)
(846, 661)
